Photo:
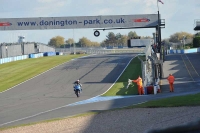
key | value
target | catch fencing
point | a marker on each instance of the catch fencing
(100, 50)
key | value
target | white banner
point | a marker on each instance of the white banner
(42, 23)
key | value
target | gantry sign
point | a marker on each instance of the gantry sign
(42, 23)
(78, 22)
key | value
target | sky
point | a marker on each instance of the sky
(179, 15)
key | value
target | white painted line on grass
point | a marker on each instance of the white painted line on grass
(118, 76)
(101, 99)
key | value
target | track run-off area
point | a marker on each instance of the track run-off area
(51, 96)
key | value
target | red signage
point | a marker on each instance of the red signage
(5, 24)
(141, 20)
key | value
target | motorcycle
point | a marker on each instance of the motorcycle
(77, 89)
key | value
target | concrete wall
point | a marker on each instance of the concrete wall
(29, 48)
(44, 48)
(9, 51)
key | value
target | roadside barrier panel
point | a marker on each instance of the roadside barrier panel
(182, 51)
(193, 50)
(109, 47)
(49, 53)
(10, 59)
(35, 55)
(59, 53)
(178, 51)
(120, 47)
(31, 55)
(40, 55)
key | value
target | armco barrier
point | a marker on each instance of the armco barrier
(120, 47)
(22, 57)
(183, 51)
(31, 55)
(49, 53)
(10, 59)
(109, 47)
(193, 50)
(35, 55)
(59, 53)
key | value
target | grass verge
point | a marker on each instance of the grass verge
(177, 101)
(13, 73)
(132, 72)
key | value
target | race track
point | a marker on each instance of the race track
(35, 99)
(51, 95)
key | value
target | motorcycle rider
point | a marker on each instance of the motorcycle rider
(77, 82)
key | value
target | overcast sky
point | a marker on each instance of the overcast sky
(179, 16)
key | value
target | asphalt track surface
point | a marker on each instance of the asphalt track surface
(50, 95)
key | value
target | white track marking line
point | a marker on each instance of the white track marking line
(40, 74)
(192, 65)
(117, 77)
(187, 68)
(64, 105)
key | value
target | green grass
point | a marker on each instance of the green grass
(142, 57)
(132, 72)
(16, 72)
(177, 101)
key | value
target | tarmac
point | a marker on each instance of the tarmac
(185, 69)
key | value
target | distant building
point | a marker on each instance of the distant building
(21, 39)
(139, 42)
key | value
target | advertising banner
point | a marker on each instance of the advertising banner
(113, 21)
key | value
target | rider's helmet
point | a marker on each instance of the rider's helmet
(78, 81)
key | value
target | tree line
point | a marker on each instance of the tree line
(183, 40)
(112, 39)
(179, 38)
